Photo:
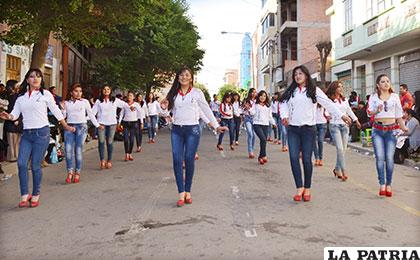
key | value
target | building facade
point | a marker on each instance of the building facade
(302, 24)
(383, 38)
(245, 62)
(231, 77)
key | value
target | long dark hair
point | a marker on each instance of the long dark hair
(332, 90)
(173, 92)
(267, 98)
(134, 95)
(249, 95)
(137, 99)
(148, 100)
(236, 94)
(25, 85)
(73, 87)
(310, 86)
(101, 94)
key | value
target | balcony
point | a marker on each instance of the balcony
(394, 27)
(266, 62)
(268, 34)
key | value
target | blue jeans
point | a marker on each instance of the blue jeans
(151, 128)
(185, 140)
(237, 123)
(139, 136)
(250, 135)
(301, 138)
(283, 133)
(130, 132)
(106, 135)
(262, 133)
(230, 124)
(340, 135)
(319, 141)
(384, 143)
(73, 143)
(277, 131)
(33, 145)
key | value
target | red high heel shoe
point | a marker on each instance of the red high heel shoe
(35, 204)
(297, 197)
(69, 178)
(76, 178)
(108, 164)
(306, 197)
(180, 203)
(388, 193)
(265, 159)
(251, 156)
(219, 147)
(382, 192)
(130, 157)
(344, 177)
(188, 201)
(25, 203)
(336, 175)
(261, 161)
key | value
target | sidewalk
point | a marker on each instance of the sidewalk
(10, 168)
(369, 151)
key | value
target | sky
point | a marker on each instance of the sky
(222, 51)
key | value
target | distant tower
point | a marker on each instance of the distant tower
(245, 63)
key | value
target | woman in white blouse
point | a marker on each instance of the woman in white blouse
(262, 118)
(298, 112)
(75, 108)
(386, 108)
(129, 120)
(106, 110)
(339, 129)
(185, 102)
(32, 104)
(141, 116)
(153, 110)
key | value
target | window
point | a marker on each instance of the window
(13, 67)
(374, 7)
(348, 18)
(269, 21)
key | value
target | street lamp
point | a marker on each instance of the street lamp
(252, 52)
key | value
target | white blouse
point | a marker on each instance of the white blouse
(153, 108)
(226, 111)
(237, 110)
(393, 106)
(262, 115)
(129, 115)
(76, 111)
(300, 110)
(186, 109)
(345, 108)
(107, 111)
(142, 113)
(34, 109)
(275, 107)
(321, 115)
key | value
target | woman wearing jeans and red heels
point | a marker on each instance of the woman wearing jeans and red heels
(129, 120)
(185, 102)
(226, 115)
(298, 112)
(32, 104)
(385, 106)
(75, 109)
(262, 118)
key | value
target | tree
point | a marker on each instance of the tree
(203, 88)
(148, 55)
(87, 22)
(227, 88)
(324, 49)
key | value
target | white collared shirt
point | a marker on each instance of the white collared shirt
(107, 111)
(275, 107)
(300, 110)
(153, 108)
(129, 115)
(186, 110)
(393, 106)
(321, 115)
(345, 108)
(237, 110)
(262, 115)
(226, 111)
(34, 109)
(142, 113)
(214, 105)
(247, 112)
(75, 112)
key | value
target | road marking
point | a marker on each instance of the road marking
(393, 201)
(251, 233)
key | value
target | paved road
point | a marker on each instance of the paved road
(241, 210)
